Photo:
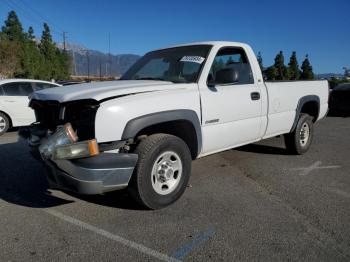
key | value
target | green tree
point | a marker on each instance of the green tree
(32, 60)
(260, 61)
(48, 51)
(57, 63)
(9, 59)
(30, 33)
(271, 73)
(13, 28)
(20, 56)
(293, 67)
(47, 46)
(282, 70)
(306, 73)
(65, 64)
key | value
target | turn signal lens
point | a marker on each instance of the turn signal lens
(78, 150)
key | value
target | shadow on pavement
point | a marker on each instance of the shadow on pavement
(263, 149)
(23, 182)
(118, 199)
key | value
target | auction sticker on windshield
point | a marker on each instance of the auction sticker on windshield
(192, 59)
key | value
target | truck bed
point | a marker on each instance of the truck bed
(283, 99)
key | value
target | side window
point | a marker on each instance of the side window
(1, 91)
(155, 68)
(17, 89)
(41, 86)
(232, 58)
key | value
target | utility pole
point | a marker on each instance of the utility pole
(64, 40)
(100, 70)
(88, 63)
(74, 64)
(109, 55)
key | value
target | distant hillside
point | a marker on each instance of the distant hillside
(119, 63)
(328, 76)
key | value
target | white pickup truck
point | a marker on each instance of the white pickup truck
(172, 106)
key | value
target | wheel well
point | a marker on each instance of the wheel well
(311, 108)
(9, 118)
(181, 128)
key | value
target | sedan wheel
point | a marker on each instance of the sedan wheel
(4, 124)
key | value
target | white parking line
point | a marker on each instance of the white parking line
(141, 248)
(314, 166)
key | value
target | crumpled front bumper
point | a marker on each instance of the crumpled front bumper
(93, 175)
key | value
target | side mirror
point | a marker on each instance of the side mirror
(227, 76)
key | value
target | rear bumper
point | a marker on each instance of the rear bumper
(96, 175)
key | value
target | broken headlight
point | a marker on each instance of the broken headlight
(64, 135)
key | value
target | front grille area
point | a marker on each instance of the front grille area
(80, 113)
(47, 113)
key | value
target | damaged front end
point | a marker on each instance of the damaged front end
(64, 138)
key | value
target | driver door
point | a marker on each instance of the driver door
(231, 112)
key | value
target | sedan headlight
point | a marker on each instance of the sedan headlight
(64, 135)
(77, 150)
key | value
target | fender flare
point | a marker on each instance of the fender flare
(134, 126)
(302, 101)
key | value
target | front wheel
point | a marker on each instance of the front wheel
(162, 171)
(299, 141)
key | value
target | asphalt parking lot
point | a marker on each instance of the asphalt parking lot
(254, 203)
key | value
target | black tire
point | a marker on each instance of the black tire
(295, 141)
(149, 150)
(4, 121)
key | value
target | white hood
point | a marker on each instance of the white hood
(101, 90)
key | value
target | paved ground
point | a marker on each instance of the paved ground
(248, 204)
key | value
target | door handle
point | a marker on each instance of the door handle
(255, 95)
(10, 101)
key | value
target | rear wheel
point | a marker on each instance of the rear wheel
(299, 141)
(162, 171)
(4, 123)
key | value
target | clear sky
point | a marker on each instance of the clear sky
(318, 28)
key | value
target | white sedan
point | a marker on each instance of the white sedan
(14, 110)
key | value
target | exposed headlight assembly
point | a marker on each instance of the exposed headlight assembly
(64, 135)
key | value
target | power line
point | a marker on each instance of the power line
(29, 18)
(40, 15)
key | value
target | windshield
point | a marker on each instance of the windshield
(178, 65)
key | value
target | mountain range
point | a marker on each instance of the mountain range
(107, 64)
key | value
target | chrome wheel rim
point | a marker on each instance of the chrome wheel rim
(2, 124)
(304, 134)
(166, 173)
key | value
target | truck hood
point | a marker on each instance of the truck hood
(101, 90)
